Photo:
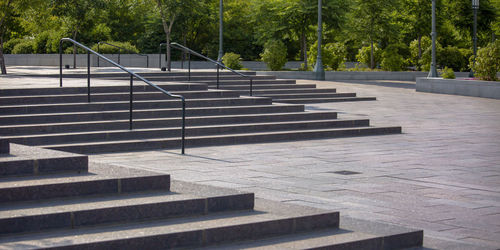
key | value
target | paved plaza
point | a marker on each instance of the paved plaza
(441, 175)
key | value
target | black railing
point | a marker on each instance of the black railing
(218, 64)
(120, 52)
(132, 75)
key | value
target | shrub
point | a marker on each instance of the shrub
(274, 54)
(425, 42)
(108, 49)
(452, 57)
(426, 59)
(392, 60)
(487, 62)
(10, 44)
(332, 54)
(363, 55)
(232, 60)
(41, 41)
(448, 73)
(24, 47)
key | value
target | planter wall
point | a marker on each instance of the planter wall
(463, 87)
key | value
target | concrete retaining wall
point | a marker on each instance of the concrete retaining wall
(476, 88)
(127, 60)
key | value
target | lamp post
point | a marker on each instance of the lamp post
(319, 72)
(475, 7)
(433, 71)
(221, 18)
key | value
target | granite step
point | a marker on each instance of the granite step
(195, 78)
(369, 236)
(143, 74)
(23, 217)
(110, 97)
(97, 181)
(279, 91)
(50, 128)
(263, 222)
(107, 106)
(218, 129)
(139, 87)
(4, 146)
(246, 82)
(269, 86)
(25, 160)
(226, 139)
(321, 100)
(142, 114)
(286, 95)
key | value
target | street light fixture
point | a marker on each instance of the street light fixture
(433, 71)
(475, 7)
(318, 68)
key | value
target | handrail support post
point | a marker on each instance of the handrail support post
(189, 66)
(251, 86)
(217, 76)
(60, 64)
(183, 125)
(88, 76)
(131, 100)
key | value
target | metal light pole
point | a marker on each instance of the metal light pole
(433, 71)
(221, 29)
(475, 7)
(319, 72)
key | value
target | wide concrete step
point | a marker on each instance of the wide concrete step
(279, 91)
(227, 139)
(269, 86)
(323, 100)
(194, 78)
(137, 134)
(125, 105)
(98, 181)
(109, 97)
(369, 236)
(138, 87)
(246, 82)
(284, 96)
(4, 146)
(24, 160)
(23, 217)
(143, 114)
(50, 128)
(264, 221)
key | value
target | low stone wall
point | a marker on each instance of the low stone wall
(347, 75)
(463, 87)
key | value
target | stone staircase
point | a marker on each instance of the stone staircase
(280, 90)
(62, 119)
(51, 199)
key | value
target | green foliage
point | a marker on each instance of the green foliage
(108, 49)
(392, 60)
(232, 61)
(425, 42)
(332, 55)
(9, 45)
(274, 54)
(452, 57)
(448, 73)
(426, 59)
(487, 62)
(24, 47)
(364, 53)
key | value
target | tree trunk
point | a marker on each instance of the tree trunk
(2, 59)
(169, 61)
(372, 59)
(304, 49)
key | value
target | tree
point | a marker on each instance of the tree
(371, 20)
(77, 15)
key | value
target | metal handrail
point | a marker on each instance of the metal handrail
(219, 65)
(132, 75)
(119, 52)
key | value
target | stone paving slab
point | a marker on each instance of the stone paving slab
(441, 175)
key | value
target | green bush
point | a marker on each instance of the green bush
(274, 54)
(487, 62)
(232, 60)
(425, 42)
(24, 47)
(69, 50)
(426, 59)
(10, 44)
(332, 55)
(108, 49)
(392, 60)
(448, 73)
(363, 55)
(41, 41)
(451, 57)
